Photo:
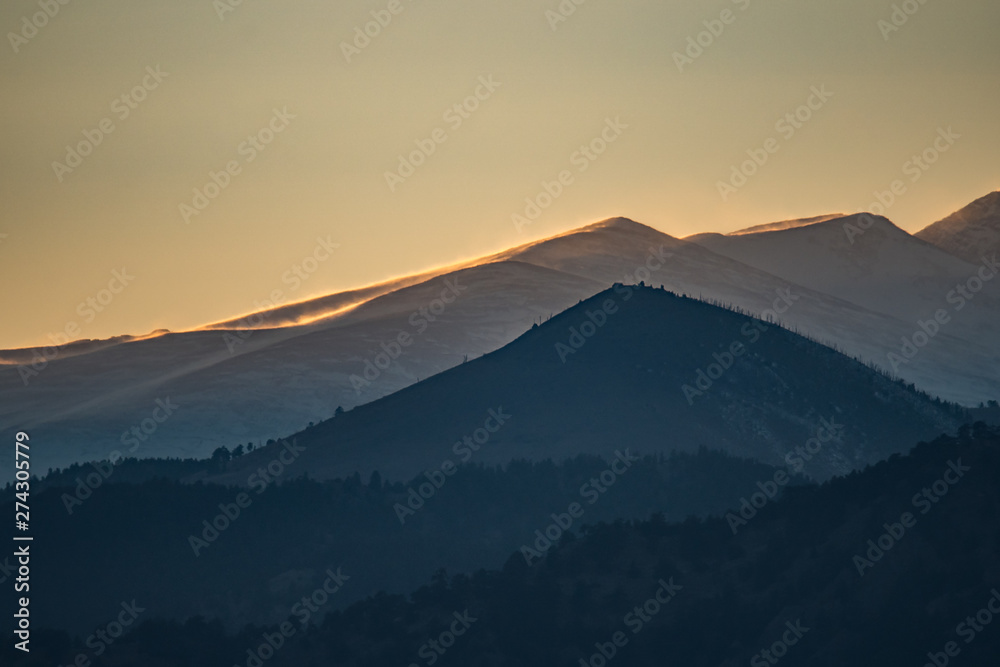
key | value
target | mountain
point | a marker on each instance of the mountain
(869, 262)
(892, 566)
(287, 533)
(631, 366)
(969, 233)
(273, 372)
(882, 268)
(29, 356)
(783, 224)
(236, 385)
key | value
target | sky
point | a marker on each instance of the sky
(177, 163)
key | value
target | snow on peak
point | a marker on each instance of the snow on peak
(970, 232)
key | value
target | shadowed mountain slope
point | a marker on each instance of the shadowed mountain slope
(643, 378)
(266, 378)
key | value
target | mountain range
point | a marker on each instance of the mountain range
(894, 565)
(633, 367)
(856, 283)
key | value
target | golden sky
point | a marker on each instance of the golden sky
(200, 79)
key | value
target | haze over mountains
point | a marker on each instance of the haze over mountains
(870, 262)
(554, 410)
(409, 348)
(270, 374)
(659, 373)
(696, 404)
(810, 556)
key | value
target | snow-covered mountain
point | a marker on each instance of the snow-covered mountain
(936, 301)
(635, 379)
(786, 224)
(870, 262)
(271, 374)
(970, 232)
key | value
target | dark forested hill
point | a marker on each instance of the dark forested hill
(240, 555)
(636, 367)
(895, 565)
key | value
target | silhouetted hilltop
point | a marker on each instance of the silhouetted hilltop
(638, 367)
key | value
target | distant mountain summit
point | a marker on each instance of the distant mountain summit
(970, 232)
(868, 261)
(618, 221)
(857, 283)
(638, 368)
(862, 258)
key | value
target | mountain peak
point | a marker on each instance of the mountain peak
(573, 390)
(984, 210)
(834, 222)
(618, 222)
(865, 220)
(970, 232)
